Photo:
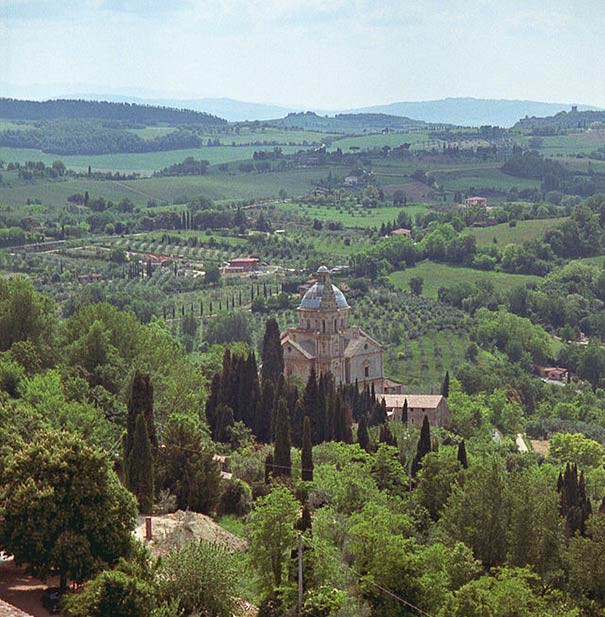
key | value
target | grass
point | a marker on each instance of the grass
(232, 524)
(421, 364)
(379, 140)
(522, 232)
(479, 177)
(215, 185)
(349, 216)
(144, 163)
(441, 275)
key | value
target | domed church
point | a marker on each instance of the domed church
(324, 339)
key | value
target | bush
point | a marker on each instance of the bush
(236, 498)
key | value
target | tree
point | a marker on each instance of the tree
(139, 467)
(416, 284)
(404, 412)
(272, 354)
(307, 452)
(462, 459)
(363, 439)
(212, 275)
(140, 401)
(282, 461)
(272, 537)
(186, 468)
(112, 593)
(476, 512)
(445, 388)
(63, 509)
(424, 445)
(202, 578)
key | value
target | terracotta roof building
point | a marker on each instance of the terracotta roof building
(434, 406)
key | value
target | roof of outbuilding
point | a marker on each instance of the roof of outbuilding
(415, 401)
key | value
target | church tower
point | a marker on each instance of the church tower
(325, 340)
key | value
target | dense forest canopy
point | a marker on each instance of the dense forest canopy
(104, 110)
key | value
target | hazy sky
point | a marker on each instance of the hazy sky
(314, 53)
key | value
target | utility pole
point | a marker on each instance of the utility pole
(300, 573)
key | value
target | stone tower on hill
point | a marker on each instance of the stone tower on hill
(324, 339)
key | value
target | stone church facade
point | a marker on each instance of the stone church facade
(325, 340)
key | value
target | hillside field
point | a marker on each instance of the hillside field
(438, 275)
(522, 232)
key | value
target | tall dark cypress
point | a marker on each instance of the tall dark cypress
(378, 415)
(282, 462)
(445, 388)
(311, 406)
(362, 434)
(386, 436)
(307, 452)
(140, 401)
(462, 455)
(404, 412)
(272, 354)
(424, 446)
(139, 467)
(264, 414)
(212, 404)
(296, 423)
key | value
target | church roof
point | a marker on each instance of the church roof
(318, 295)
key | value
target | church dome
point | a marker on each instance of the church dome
(316, 293)
(313, 296)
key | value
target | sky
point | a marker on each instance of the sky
(326, 54)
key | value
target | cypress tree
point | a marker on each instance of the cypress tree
(140, 401)
(311, 406)
(404, 412)
(445, 388)
(462, 455)
(140, 467)
(307, 452)
(296, 423)
(386, 436)
(264, 415)
(379, 413)
(304, 522)
(272, 353)
(224, 421)
(424, 446)
(281, 454)
(212, 404)
(330, 415)
(363, 439)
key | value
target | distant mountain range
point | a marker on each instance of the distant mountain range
(460, 111)
(348, 123)
(457, 111)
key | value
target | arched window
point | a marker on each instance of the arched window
(366, 370)
(323, 325)
(308, 324)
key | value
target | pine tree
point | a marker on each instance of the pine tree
(307, 452)
(281, 454)
(272, 354)
(140, 401)
(424, 446)
(462, 455)
(139, 467)
(445, 388)
(404, 412)
(363, 439)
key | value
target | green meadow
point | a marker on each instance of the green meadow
(523, 231)
(438, 275)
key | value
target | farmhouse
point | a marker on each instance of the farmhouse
(325, 340)
(241, 264)
(471, 202)
(401, 231)
(554, 373)
(434, 406)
